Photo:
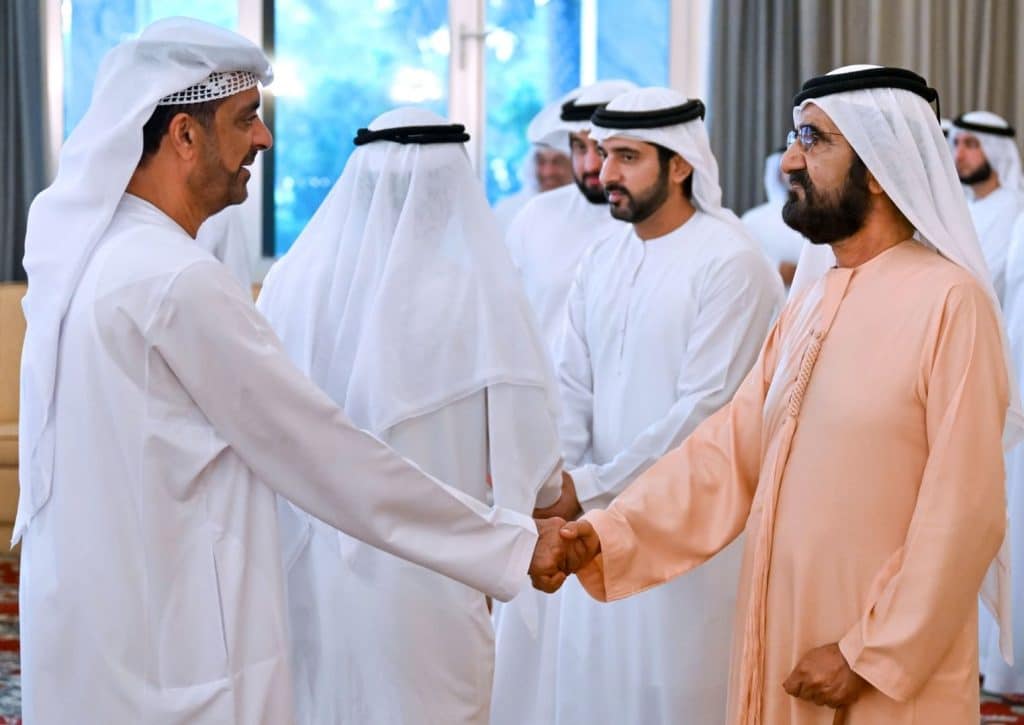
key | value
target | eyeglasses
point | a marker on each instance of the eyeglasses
(807, 136)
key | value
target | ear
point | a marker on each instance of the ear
(679, 168)
(183, 135)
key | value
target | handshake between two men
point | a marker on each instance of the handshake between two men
(564, 546)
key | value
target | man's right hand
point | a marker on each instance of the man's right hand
(583, 544)
(547, 568)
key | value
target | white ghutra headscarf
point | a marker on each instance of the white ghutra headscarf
(399, 296)
(896, 134)
(652, 115)
(997, 140)
(172, 56)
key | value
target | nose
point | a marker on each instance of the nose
(592, 161)
(792, 160)
(609, 171)
(262, 138)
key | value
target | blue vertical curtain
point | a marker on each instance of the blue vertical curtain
(22, 127)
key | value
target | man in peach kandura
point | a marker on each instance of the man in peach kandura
(862, 455)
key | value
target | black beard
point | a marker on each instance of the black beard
(594, 196)
(639, 208)
(827, 219)
(980, 175)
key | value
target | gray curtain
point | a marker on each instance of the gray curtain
(762, 50)
(22, 127)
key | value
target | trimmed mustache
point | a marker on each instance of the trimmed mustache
(616, 187)
(801, 178)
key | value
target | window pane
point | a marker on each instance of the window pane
(340, 63)
(632, 41)
(92, 27)
(533, 57)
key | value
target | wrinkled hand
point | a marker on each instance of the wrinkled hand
(823, 677)
(582, 545)
(566, 507)
(547, 569)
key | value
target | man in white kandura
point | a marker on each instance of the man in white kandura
(400, 301)
(1008, 679)
(546, 240)
(161, 418)
(548, 237)
(665, 319)
(988, 163)
(545, 167)
(779, 242)
(223, 235)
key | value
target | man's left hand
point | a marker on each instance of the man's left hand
(823, 677)
(566, 507)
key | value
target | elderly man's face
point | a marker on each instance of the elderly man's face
(230, 145)
(586, 166)
(971, 163)
(829, 197)
(553, 168)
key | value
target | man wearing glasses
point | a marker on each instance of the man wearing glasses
(862, 455)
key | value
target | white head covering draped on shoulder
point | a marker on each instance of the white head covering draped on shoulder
(897, 135)
(173, 56)
(399, 296)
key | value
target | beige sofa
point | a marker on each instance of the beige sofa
(12, 335)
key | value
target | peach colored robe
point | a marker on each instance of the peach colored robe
(862, 457)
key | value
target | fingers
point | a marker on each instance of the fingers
(581, 529)
(577, 556)
(792, 684)
(803, 687)
(571, 530)
(548, 583)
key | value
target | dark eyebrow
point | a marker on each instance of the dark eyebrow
(250, 109)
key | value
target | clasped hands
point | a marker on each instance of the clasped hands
(564, 546)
